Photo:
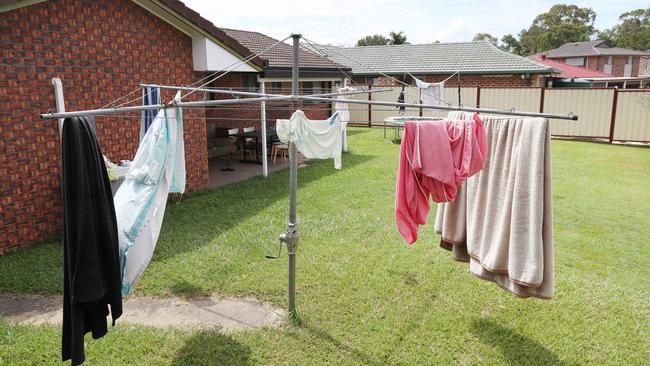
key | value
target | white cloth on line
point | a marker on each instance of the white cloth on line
(318, 139)
(344, 114)
(157, 169)
(431, 93)
(502, 221)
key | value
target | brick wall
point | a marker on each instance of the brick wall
(474, 80)
(248, 115)
(101, 50)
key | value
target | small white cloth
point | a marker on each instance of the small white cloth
(431, 93)
(344, 114)
(318, 139)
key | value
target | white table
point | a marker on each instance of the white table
(398, 122)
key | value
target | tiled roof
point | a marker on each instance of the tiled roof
(591, 48)
(434, 58)
(208, 26)
(570, 71)
(280, 56)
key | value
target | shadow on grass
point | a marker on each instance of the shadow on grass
(360, 356)
(357, 131)
(190, 223)
(187, 291)
(516, 348)
(198, 218)
(212, 348)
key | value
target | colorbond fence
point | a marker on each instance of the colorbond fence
(605, 113)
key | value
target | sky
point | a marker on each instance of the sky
(343, 22)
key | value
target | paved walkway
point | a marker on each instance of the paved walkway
(227, 314)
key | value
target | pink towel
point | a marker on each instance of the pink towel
(435, 158)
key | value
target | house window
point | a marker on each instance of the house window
(576, 61)
(249, 82)
(312, 87)
(276, 87)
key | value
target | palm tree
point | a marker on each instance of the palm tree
(397, 38)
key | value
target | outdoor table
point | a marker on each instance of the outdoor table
(398, 122)
(257, 136)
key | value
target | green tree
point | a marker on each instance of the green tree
(397, 38)
(373, 40)
(379, 40)
(633, 30)
(485, 37)
(563, 23)
(511, 44)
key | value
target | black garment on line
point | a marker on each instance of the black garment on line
(90, 243)
(401, 99)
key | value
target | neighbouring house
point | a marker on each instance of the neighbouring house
(479, 63)
(599, 55)
(644, 64)
(570, 75)
(102, 50)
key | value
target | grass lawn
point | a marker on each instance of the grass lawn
(365, 297)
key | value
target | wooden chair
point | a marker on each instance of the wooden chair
(280, 147)
(233, 146)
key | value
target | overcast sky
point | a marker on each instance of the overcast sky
(343, 22)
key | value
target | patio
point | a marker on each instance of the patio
(241, 171)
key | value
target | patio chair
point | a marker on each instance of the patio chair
(233, 147)
(279, 147)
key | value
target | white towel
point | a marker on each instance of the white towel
(431, 93)
(319, 139)
(501, 221)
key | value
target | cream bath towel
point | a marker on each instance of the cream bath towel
(501, 221)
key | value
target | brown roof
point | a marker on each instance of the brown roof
(208, 26)
(281, 56)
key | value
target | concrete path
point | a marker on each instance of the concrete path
(228, 314)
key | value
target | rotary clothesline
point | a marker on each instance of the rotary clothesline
(291, 237)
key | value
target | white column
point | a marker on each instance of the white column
(265, 164)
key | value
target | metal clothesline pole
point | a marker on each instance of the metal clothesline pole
(271, 97)
(207, 103)
(510, 112)
(262, 94)
(265, 163)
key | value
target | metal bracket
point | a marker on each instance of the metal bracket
(291, 238)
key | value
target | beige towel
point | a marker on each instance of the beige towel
(501, 221)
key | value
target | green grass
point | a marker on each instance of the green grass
(364, 296)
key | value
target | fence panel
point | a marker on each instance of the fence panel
(593, 107)
(632, 116)
(521, 99)
(467, 98)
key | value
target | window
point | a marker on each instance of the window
(575, 61)
(312, 87)
(276, 87)
(249, 82)
(628, 61)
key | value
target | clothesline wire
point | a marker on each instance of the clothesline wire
(229, 68)
(374, 69)
(235, 65)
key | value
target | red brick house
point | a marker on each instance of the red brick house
(599, 56)
(480, 64)
(101, 50)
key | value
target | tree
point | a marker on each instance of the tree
(373, 40)
(397, 38)
(379, 40)
(485, 37)
(633, 30)
(511, 44)
(562, 24)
